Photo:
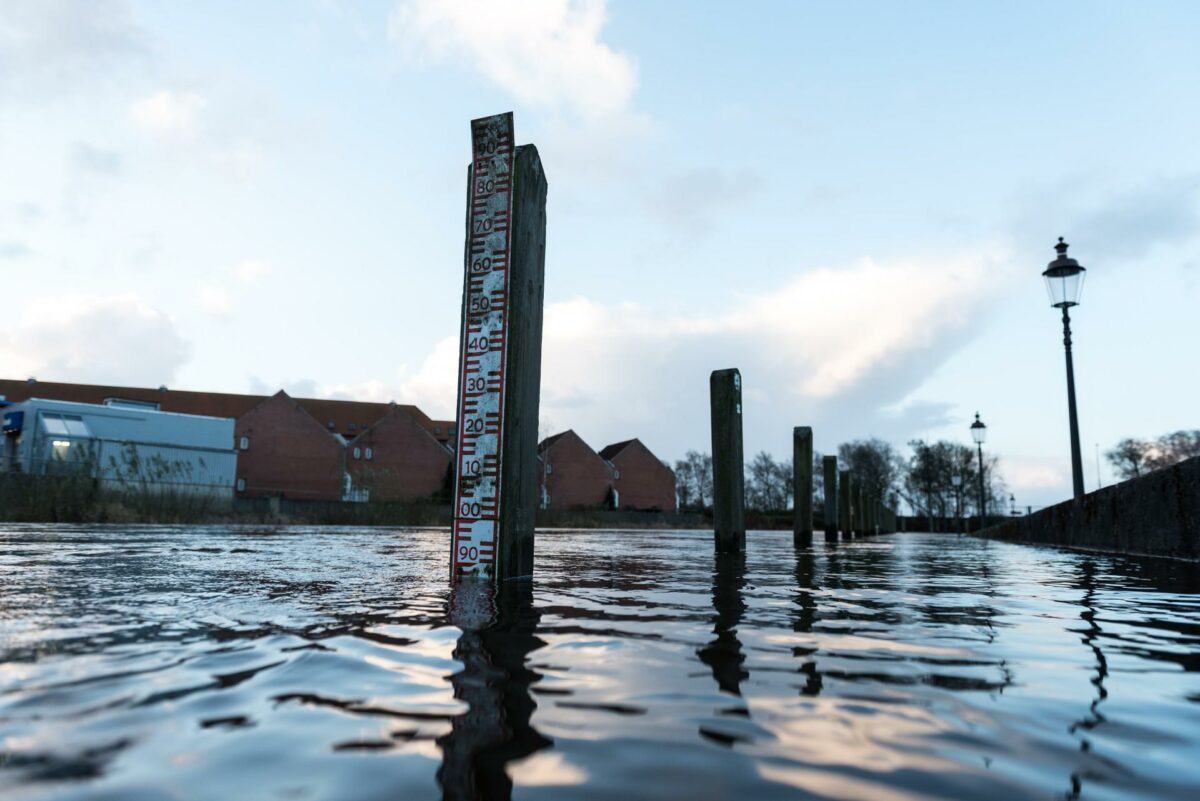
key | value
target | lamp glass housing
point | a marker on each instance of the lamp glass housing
(1064, 285)
(978, 431)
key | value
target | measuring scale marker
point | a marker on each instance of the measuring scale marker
(483, 349)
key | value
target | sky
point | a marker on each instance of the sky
(850, 202)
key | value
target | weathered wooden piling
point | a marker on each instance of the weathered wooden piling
(729, 495)
(829, 472)
(845, 503)
(500, 356)
(802, 485)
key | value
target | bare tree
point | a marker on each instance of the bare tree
(1128, 458)
(1174, 448)
(1135, 457)
(875, 465)
(693, 480)
(928, 480)
(768, 483)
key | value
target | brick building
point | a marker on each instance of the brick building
(642, 481)
(397, 459)
(344, 417)
(574, 475)
(284, 451)
(330, 450)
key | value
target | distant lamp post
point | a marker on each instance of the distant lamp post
(979, 434)
(1012, 504)
(1064, 283)
(956, 480)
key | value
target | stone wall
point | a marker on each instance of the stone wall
(1157, 514)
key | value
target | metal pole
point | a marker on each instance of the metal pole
(1076, 459)
(958, 509)
(982, 496)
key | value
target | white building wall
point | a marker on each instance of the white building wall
(131, 448)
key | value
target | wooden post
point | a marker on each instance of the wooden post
(802, 485)
(500, 356)
(729, 495)
(845, 503)
(830, 473)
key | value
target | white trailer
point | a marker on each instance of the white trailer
(122, 445)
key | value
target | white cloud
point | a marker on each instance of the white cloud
(251, 271)
(241, 159)
(218, 299)
(53, 46)
(835, 348)
(103, 340)
(1033, 477)
(214, 300)
(168, 112)
(545, 53)
(431, 387)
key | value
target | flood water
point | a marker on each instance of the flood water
(302, 663)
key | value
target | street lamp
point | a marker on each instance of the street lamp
(956, 480)
(1064, 284)
(1012, 504)
(979, 434)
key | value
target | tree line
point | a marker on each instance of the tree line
(924, 480)
(1131, 458)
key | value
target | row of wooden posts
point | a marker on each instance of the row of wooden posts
(850, 510)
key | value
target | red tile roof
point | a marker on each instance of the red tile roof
(342, 413)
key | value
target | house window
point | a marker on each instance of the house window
(616, 474)
(370, 454)
(437, 431)
(549, 469)
(357, 453)
(241, 485)
(244, 443)
(353, 426)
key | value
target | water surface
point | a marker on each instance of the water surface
(320, 663)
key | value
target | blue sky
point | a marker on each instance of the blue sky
(850, 202)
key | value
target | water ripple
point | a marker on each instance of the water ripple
(154, 662)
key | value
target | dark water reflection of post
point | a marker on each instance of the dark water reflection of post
(805, 617)
(498, 626)
(1091, 638)
(724, 654)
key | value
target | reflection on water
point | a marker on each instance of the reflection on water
(215, 663)
(724, 654)
(497, 637)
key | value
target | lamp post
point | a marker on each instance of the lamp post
(1064, 283)
(956, 480)
(1012, 504)
(979, 434)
